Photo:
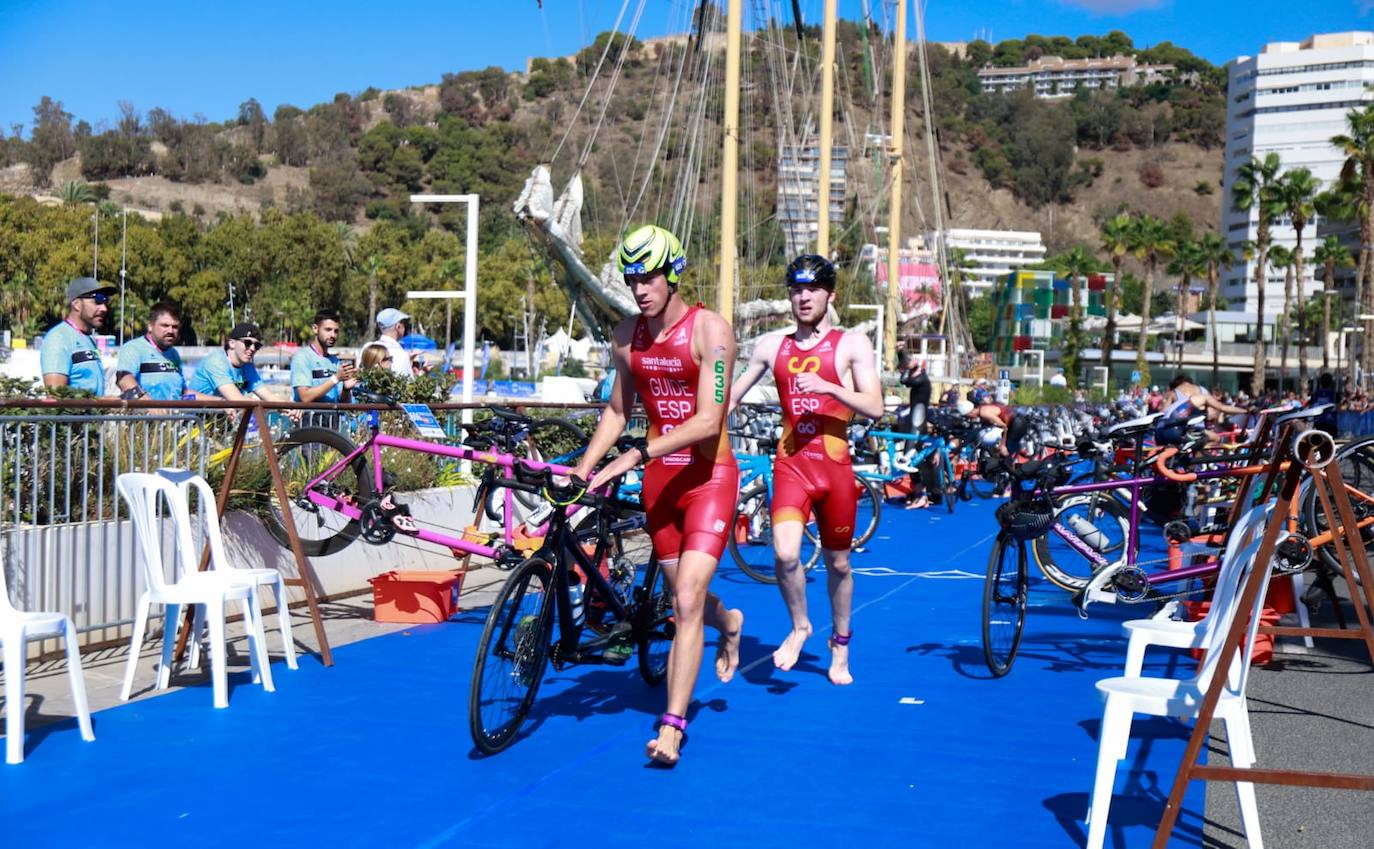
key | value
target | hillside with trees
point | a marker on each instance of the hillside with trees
(309, 207)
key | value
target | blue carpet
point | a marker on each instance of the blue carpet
(924, 750)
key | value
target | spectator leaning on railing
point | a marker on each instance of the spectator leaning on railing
(316, 374)
(229, 373)
(149, 366)
(69, 356)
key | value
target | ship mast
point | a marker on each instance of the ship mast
(894, 211)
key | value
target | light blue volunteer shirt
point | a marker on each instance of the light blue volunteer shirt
(158, 372)
(68, 351)
(216, 370)
(310, 368)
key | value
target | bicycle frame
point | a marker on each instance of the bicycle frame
(377, 441)
(931, 445)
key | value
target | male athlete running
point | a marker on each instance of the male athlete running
(824, 376)
(678, 360)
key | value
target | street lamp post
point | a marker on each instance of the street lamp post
(469, 289)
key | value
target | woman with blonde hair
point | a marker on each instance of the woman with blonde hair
(374, 355)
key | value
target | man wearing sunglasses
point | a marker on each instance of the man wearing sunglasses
(69, 356)
(229, 373)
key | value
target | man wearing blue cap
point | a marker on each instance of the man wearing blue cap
(69, 356)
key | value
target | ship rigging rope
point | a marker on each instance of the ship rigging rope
(604, 51)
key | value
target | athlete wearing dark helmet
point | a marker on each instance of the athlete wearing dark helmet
(678, 359)
(824, 375)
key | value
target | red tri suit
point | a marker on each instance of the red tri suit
(813, 469)
(689, 495)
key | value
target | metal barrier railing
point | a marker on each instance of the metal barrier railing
(65, 537)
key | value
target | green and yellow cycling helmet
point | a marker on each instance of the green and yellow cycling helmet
(650, 249)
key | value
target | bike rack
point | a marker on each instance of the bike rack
(1311, 450)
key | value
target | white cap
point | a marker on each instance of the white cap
(964, 407)
(390, 317)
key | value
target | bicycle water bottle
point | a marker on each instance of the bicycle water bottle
(575, 598)
(1087, 532)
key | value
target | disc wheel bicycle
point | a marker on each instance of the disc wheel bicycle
(1099, 521)
(751, 537)
(1004, 603)
(511, 656)
(304, 455)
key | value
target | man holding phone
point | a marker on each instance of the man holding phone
(317, 374)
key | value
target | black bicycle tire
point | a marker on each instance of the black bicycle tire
(491, 742)
(944, 473)
(648, 612)
(1044, 560)
(733, 545)
(998, 660)
(294, 441)
(1313, 519)
(572, 432)
(874, 496)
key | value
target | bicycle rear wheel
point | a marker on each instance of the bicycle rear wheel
(304, 455)
(653, 624)
(1356, 462)
(751, 537)
(511, 656)
(1004, 603)
(1098, 521)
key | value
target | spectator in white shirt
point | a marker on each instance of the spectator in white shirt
(391, 326)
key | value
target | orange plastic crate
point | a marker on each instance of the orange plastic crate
(415, 597)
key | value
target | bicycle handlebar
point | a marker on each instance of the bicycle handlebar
(1162, 467)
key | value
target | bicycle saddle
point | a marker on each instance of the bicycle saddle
(362, 395)
(1133, 424)
(1309, 413)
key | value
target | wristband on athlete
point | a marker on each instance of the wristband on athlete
(642, 446)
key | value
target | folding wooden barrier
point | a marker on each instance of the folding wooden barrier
(1312, 450)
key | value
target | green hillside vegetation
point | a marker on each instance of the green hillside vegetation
(348, 236)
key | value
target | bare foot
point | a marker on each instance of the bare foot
(919, 504)
(839, 665)
(666, 749)
(785, 657)
(727, 647)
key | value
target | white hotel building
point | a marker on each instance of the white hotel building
(1290, 99)
(994, 253)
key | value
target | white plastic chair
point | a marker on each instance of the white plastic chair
(1144, 633)
(1126, 696)
(208, 590)
(219, 560)
(17, 627)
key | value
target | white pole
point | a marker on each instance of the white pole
(469, 307)
(123, 267)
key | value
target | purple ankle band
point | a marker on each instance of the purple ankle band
(841, 639)
(672, 719)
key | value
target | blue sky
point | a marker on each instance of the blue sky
(208, 57)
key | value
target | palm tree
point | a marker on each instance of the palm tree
(1281, 259)
(17, 301)
(1150, 242)
(1077, 263)
(1332, 255)
(1115, 244)
(1345, 202)
(1253, 189)
(1297, 191)
(1215, 255)
(74, 192)
(1187, 264)
(1357, 143)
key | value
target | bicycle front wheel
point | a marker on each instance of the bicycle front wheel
(1004, 603)
(511, 656)
(305, 455)
(654, 625)
(869, 511)
(751, 537)
(1095, 521)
